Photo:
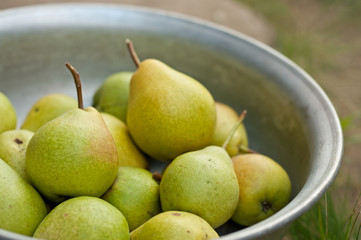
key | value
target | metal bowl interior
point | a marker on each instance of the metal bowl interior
(289, 116)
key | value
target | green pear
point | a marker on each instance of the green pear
(21, 207)
(112, 96)
(264, 188)
(128, 153)
(72, 155)
(175, 225)
(8, 118)
(136, 194)
(83, 218)
(226, 118)
(13, 145)
(202, 182)
(169, 113)
(47, 108)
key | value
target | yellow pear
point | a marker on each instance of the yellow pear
(21, 206)
(8, 118)
(226, 118)
(47, 108)
(175, 225)
(13, 145)
(169, 112)
(264, 188)
(128, 152)
(72, 155)
(112, 96)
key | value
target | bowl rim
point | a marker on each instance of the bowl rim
(264, 227)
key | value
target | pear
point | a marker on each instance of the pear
(73, 154)
(136, 194)
(83, 218)
(264, 188)
(169, 112)
(47, 108)
(175, 225)
(202, 182)
(112, 96)
(128, 153)
(226, 118)
(8, 118)
(13, 145)
(21, 207)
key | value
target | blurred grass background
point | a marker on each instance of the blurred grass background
(324, 38)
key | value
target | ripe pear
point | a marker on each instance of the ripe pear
(83, 218)
(112, 96)
(136, 194)
(264, 188)
(128, 153)
(47, 108)
(21, 207)
(72, 155)
(175, 225)
(202, 182)
(226, 118)
(13, 145)
(169, 113)
(8, 118)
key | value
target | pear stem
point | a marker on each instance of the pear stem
(132, 52)
(77, 84)
(239, 122)
(247, 149)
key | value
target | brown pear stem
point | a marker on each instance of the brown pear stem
(247, 149)
(239, 122)
(77, 84)
(132, 52)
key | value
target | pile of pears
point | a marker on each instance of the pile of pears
(71, 172)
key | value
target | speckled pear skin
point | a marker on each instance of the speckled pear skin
(46, 109)
(21, 207)
(175, 225)
(136, 194)
(8, 118)
(169, 113)
(227, 117)
(261, 180)
(128, 153)
(112, 96)
(72, 155)
(83, 218)
(13, 145)
(202, 182)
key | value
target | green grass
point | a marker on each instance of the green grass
(328, 219)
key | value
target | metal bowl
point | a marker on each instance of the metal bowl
(289, 116)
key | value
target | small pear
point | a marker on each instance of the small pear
(175, 225)
(136, 194)
(13, 145)
(73, 154)
(112, 96)
(21, 207)
(83, 218)
(128, 153)
(226, 118)
(169, 113)
(48, 108)
(202, 182)
(8, 118)
(264, 188)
